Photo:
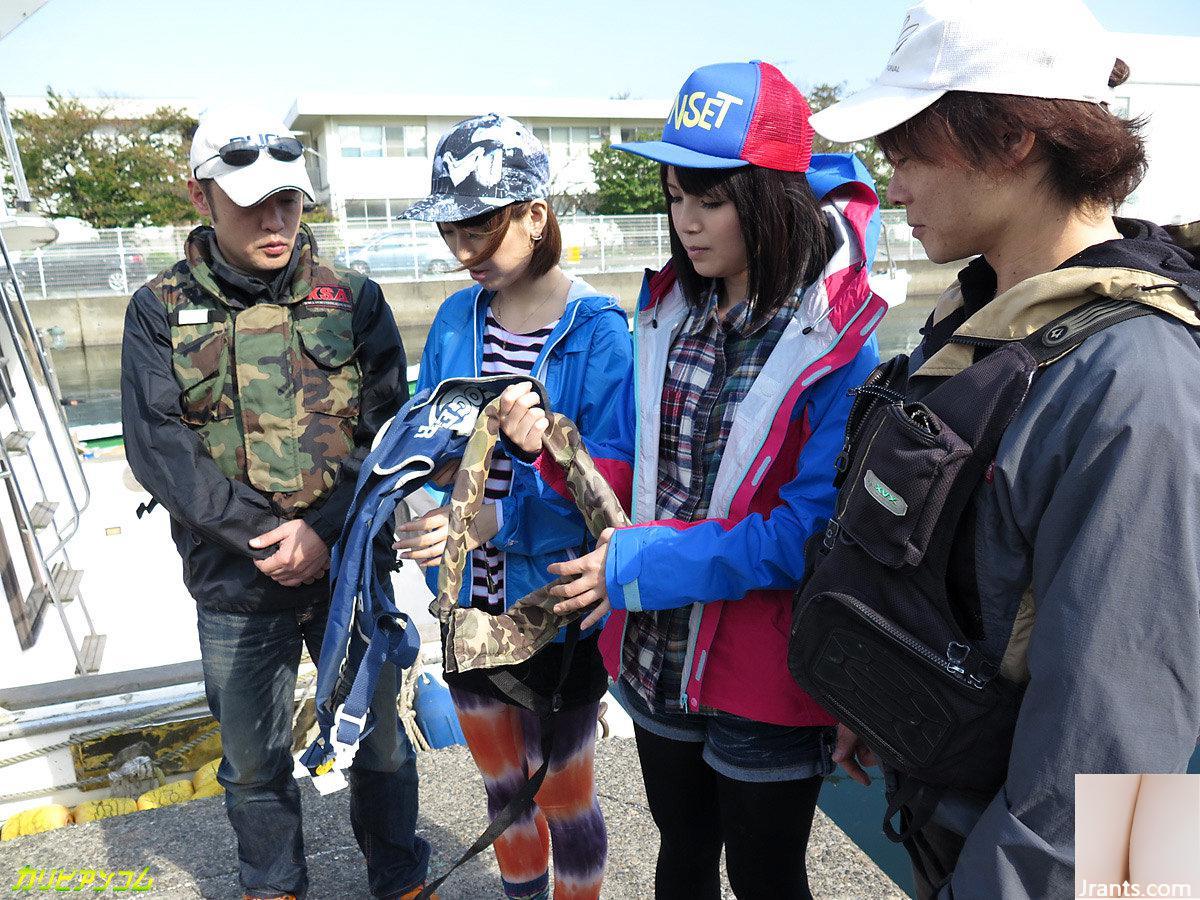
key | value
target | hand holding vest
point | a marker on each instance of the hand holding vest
(475, 638)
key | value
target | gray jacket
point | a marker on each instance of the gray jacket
(1087, 557)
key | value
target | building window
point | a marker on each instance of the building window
(382, 140)
(376, 213)
(567, 142)
(405, 140)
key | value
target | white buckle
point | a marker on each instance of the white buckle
(344, 753)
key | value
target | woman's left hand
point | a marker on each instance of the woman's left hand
(424, 539)
(588, 588)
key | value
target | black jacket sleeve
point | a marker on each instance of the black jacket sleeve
(384, 390)
(169, 459)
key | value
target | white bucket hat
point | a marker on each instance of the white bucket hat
(1053, 49)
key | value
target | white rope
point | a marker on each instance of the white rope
(406, 708)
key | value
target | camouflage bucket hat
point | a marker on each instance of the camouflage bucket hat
(474, 638)
(480, 165)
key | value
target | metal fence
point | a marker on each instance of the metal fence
(896, 240)
(117, 260)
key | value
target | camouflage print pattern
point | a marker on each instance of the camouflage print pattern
(474, 638)
(273, 389)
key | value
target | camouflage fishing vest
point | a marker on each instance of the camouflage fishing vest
(273, 389)
(475, 638)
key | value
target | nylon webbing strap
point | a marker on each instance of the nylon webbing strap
(523, 799)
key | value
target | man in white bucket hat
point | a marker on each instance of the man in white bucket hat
(1071, 568)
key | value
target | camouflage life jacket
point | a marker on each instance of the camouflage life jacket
(273, 388)
(475, 638)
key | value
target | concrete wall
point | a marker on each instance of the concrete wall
(98, 321)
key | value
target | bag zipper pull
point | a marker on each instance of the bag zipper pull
(956, 654)
(831, 533)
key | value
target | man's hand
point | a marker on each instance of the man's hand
(426, 537)
(300, 558)
(522, 418)
(852, 754)
(589, 587)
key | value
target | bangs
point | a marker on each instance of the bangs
(703, 182)
(927, 137)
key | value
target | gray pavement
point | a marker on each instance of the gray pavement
(191, 853)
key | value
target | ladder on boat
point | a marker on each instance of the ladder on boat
(40, 467)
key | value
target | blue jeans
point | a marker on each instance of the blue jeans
(736, 747)
(250, 662)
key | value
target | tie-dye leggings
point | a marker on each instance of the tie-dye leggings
(506, 743)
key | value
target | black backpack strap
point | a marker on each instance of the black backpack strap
(926, 861)
(144, 508)
(915, 801)
(547, 709)
(1053, 341)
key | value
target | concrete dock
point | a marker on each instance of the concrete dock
(190, 849)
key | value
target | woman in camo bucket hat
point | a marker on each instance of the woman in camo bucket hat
(524, 315)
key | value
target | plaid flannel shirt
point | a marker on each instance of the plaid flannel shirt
(711, 366)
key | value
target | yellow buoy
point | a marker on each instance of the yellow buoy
(172, 792)
(35, 821)
(205, 776)
(212, 789)
(104, 809)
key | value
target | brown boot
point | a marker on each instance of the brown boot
(279, 897)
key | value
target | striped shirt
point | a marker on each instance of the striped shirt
(504, 353)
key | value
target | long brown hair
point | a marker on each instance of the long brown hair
(787, 237)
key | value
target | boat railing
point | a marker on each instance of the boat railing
(47, 510)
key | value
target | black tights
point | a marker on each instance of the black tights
(764, 826)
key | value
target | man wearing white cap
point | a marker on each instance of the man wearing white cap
(254, 378)
(1067, 591)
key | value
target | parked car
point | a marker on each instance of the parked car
(399, 253)
(84, 266)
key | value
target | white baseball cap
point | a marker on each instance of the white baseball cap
(268, 172)
(1054, 49)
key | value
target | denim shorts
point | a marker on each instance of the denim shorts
(739, 748)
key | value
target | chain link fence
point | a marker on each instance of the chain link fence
(118, 260)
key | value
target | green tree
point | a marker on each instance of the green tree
(83, 161)
(319, 214)
(868, 151)
(626, 183)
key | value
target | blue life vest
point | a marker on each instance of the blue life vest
(365, 628)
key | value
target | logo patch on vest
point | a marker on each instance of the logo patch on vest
(330, 296)
(884, 495)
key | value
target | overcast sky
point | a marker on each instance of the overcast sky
(271, 52)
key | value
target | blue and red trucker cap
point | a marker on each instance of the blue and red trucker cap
(734, 114)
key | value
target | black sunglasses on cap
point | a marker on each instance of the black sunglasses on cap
(244, 151)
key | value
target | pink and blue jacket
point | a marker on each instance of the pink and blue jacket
(774, 486)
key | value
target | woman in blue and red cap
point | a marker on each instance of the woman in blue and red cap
(747, 344)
